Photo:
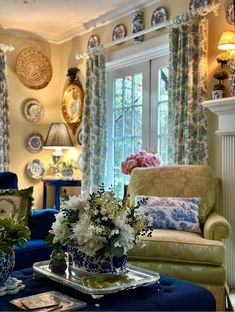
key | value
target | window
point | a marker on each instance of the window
(137, 115)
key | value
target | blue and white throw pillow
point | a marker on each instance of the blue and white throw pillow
(173, 213)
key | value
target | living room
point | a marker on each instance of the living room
(47, 64)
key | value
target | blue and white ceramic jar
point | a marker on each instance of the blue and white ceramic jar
(7, 263)
(138, 25)
(67, 172)
(81, 264)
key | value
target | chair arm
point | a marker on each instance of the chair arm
(216, 227)
(40, 222)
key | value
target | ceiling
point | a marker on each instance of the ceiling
(60, 20)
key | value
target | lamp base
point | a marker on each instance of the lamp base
(56, 156)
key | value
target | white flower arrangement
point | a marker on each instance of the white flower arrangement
(100, 223)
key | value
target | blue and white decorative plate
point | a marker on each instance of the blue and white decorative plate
(79, 136)
(195, 4)
(229, 12)
(33, 110)
(93, 42)
(34, 143)
(35, 169)
(119, 32)
(158, 16)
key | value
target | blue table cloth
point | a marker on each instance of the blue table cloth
(170, 295)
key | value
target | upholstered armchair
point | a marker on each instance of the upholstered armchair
(198, 258)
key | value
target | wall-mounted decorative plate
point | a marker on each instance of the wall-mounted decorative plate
(229, 12)
(93, 42)
(119, 32)
(158, 16)
(35, 169)
(79, 162)
(195, 4)
(33, 110)
(79, 136)
(33, 68)
(34, 143)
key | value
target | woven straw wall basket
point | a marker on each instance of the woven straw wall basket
(33, 68)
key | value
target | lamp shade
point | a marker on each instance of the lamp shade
(227, 41)
(58, 137)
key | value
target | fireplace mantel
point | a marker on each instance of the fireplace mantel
(225, 110)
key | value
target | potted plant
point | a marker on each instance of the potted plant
(11, 234)
(99, 230)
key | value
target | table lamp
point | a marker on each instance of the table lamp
(58, 138)
(227, 43)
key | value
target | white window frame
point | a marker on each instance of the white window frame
(131, 55)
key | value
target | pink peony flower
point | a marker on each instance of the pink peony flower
(140, 159)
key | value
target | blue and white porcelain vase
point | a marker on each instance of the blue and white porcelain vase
(7, 263)
(80, 264)
(138, 25)
(67, 172)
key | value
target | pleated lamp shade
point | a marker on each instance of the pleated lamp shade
(58, 137)
(227, 41)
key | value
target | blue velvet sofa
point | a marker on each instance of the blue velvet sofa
(39, 223)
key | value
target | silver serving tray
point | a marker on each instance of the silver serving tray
(139, 277)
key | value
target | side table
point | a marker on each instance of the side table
(57, 184)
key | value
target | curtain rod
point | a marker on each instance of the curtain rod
(4, 47)
(176, 21)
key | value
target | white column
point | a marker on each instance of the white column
(225, 109)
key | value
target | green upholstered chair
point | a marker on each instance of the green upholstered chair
(185, 255)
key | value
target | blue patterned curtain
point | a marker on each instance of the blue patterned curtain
(187, 90)
(94, 125)
(4, 118)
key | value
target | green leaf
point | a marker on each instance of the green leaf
(6, 249)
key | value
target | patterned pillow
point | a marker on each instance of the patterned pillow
(173, 213)
(16, 204)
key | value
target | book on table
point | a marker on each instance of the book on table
(48, 301)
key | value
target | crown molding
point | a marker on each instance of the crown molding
(82, 28)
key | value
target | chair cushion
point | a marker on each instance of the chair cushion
(16, 204)
(176, 181)
(173, 213)
(179, 246)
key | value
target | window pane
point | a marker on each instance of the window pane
(118, 93)
(138, 121)
(127, 112)
(127, 91)
(128, 122)
(118, 153)
(118, 123)
(118, 182)
(163, 130)
(127, 147)
(138, 89)
(137, 144)
(163, 79)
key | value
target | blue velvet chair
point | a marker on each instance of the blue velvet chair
(39, 223)
(8, 180)
(36, 250)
